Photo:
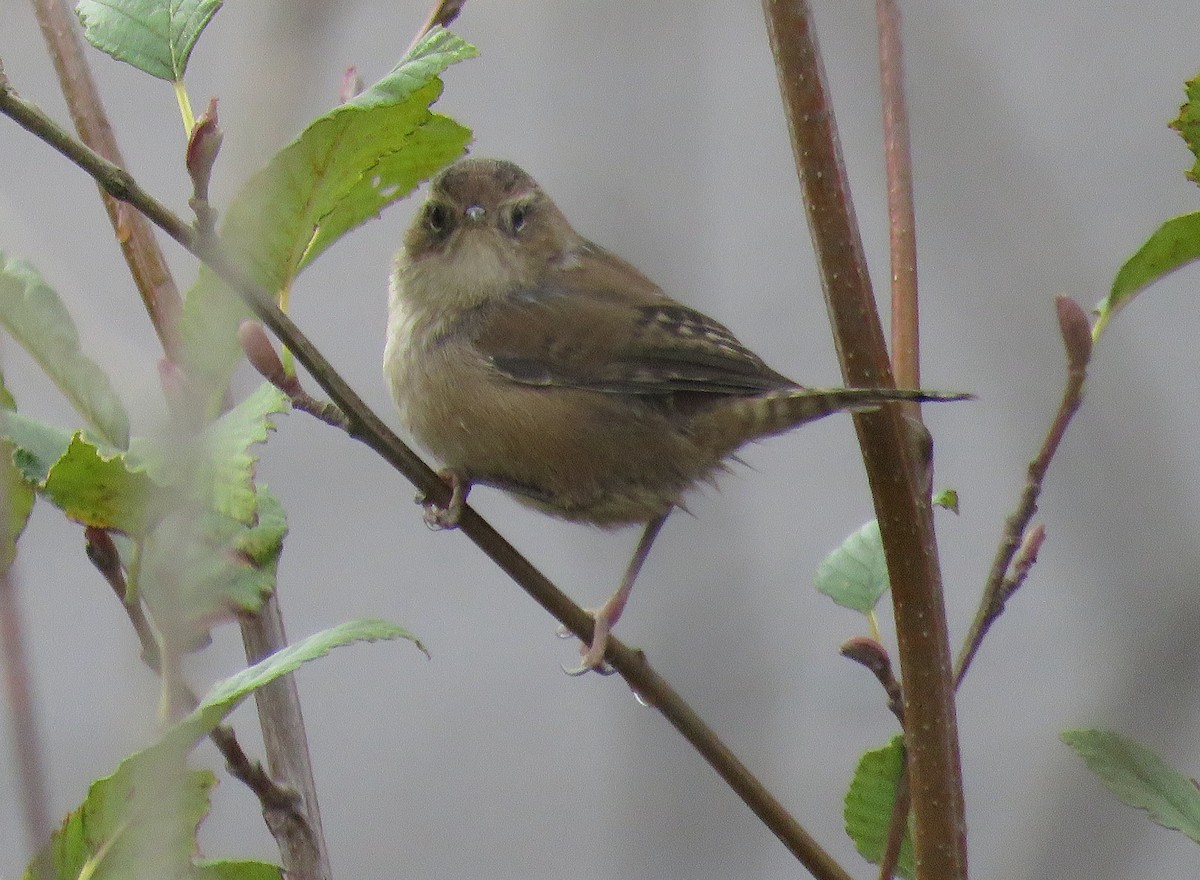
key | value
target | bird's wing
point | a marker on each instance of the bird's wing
(598, 339)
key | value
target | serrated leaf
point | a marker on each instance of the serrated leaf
(140, 822)
(1172, 246)
(154, 36)
(1188, 124)
(228, 441)
(1140, 778)
(98, 488)
(345, 168)
(91, 483)
(216, 469)
(199, 569)
(224, 696)
(868, 806)
(36, 318)
(855, 575)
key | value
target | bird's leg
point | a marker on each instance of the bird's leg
(447, 517)
(607, 615)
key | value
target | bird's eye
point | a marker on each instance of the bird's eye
(518, 216)
(437, 218)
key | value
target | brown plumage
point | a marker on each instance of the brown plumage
(528, 358)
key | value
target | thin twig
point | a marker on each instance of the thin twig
(898, 823)
(442, 15)
(365, 426)
(897, 484)
(142, 253)
(902, 224)
(26, 742)
(1077, 339)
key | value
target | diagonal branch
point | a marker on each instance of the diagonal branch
(364, 425)
(1005, 576)
(142, 253)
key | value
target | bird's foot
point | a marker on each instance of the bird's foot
(591, 656)
(438, 517)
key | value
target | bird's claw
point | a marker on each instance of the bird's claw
(592, 656)
(438, 517)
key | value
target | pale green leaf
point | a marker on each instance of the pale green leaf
(1140, 778)
(90, 482)
(345, 168)
(1173, 245)
(37, 446)
(224, 696)
(228, 443)
(99, 488)
(231, 869)
(1188, 124)
(140, 822)
(36, 318)
(868, 807)
(855, 575)
(200, 568)
(17, 491)
(155, 36)
(216, 469)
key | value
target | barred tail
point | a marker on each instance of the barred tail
(776, 412)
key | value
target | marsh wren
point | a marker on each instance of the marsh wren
(527, 358)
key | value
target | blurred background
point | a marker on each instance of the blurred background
(1042, 160)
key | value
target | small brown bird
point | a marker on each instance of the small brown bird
(527, 358)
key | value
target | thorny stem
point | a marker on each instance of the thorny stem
(897, 486)
(364, 425)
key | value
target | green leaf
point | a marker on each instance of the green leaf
(1140, 778)
(198, 569)
(139, 822)
(869, 800)
(1172, 246)
(1188, 124)
(947, 499)
(37, 446)
(101, 489)
(230, 869)
(217, 468)
(36, 318)
(855, 575)
(91, 483)
(345, 168)
(154, 36)
(228, 441)
(17, 490)
(224, 696)
(142, 820)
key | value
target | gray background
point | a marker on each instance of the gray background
(1042, 160)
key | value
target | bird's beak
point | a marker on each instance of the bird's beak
(475, 212)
